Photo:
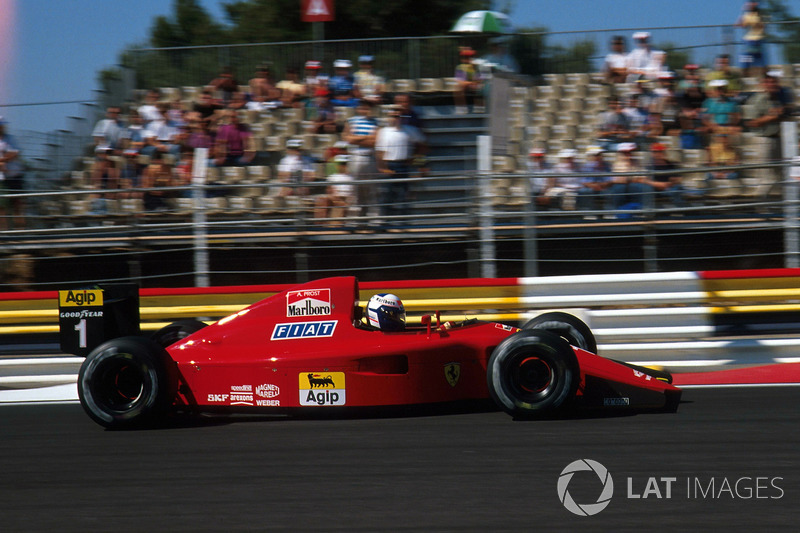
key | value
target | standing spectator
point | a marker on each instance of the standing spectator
(360, 132)
(234, 142)
(723, 71)
(296, 169)
(369, 85)
(395, 146)
(226, 83)
(408, 114)
(313, 79)
(640, 57)
(721, 113)
(768, 109)
(263, 92)
(593, 186)
(614, 126)
(293, 91)
(209, 110)
(12, 179)
(538, 168)
(754, 58)
(342, 84)
(615, 65)
(109, 130)
(468, 82)
(321, 115)
(339, 195)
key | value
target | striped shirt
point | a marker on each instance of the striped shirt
(362, 126)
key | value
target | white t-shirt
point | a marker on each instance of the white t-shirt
(397, 143)
(344, 186)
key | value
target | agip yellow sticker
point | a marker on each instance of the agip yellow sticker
(83, 298)
(322, 388)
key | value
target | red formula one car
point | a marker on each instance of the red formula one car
(307, 350)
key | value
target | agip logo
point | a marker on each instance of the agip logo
(84, 298)
(322, 388)
(585, 509)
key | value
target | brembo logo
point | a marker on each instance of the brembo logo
(308, 303)
(585, 509)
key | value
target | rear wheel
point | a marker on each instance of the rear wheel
(126, 382)
(532, 372)
(571, 328)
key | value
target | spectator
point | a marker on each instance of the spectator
(133, 133)
(721, 153)
(293, 91)
(161, 135)
(721, 114)
(109, 131)
(156, 176)
(183, 172)
(626, 192)
(263, 92)
(338, 148)
(468, 82)
(637, 112)
(408, 114)
(767, 109)
(565, 188)
(360, 132)
(313, 77)
(234, 143)
(668, 186)
(395, 146)
(614, 126)
(130, 175)
(669, 112)
(498, 58)
(105, 174)
(148, 111)
(238, 102)
(538, 168)
(690, 91)
(296, 169)
(176, 113)
(209, 110)
(226, 83)
(640, 58)
(368, 85)
(692, 129)
(723, 71)
(657, 66)
(342, 84)
(754, 58)
(322, 116)
(339, 196)
(593, 186)
(615, 65)
(12, 179)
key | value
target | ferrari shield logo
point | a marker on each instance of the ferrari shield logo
(452, 371)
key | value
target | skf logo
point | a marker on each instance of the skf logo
(452, 373)
(322, 388)
(85, 298)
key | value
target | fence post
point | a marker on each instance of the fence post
(791, 238)
(486, 214)
(199, 172)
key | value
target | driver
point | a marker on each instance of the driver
(386, 312)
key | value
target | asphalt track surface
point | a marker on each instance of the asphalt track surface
(457, 471)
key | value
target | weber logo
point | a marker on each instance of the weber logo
(303, 330)
(315, 302)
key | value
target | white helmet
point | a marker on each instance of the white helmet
(386, 312)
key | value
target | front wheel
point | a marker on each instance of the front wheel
(126, 382)
(532, 372)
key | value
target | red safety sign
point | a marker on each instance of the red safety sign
(317, 10)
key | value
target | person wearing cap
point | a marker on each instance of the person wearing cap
(339, 196)
(721, 113)
(614, 126)
(565, 188)
(625, 191)
(395, 147)
(295, 168)
(640, 57)
(615, 64)
(368, 85)
(538, 167)
(765, 112)
(321, 115)
(723, 71)
(667, 186)
(342, 84)
(594, 185)
(313, 77)
(468, 81)
(360, 133)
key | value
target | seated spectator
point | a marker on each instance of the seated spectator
(538, 168)
(615, 64)
(692, 129)
(314, 79)
(226, 83)
(665, 89)
(593, 186)
(637, 112)
(234, 144)
(721, 153)
(238, 102)
(295, 168)
(183, 172)
(339, 195)
(293, 91)
(156, 176)
(342, 84)
(330, 155)
(148, 111)
(133, 133)
(162, 136)
(668, 186)
(626, 192)
(614, 126)
(209, 110)
(640, 58)
(105, 174)
(322, 115)
(109, 131)
(199, 134)
(669, 111)
(721, 113)
(369, 86)
(468, 82)
(130, 175)
(723, 71)
(691, 91)
(264, 94)
(176, 113)
(565, 188)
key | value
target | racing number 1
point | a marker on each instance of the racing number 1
(80, 327)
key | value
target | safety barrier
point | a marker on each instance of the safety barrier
(679, 320)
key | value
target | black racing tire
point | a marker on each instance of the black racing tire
(127, 382)
(172, 333)
(533, 373)
(565, 325)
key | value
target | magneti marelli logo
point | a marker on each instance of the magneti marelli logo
(585, 509)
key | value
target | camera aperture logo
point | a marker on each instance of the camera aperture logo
(585, 509)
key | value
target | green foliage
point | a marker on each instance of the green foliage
(788, 35)
(677, 57)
